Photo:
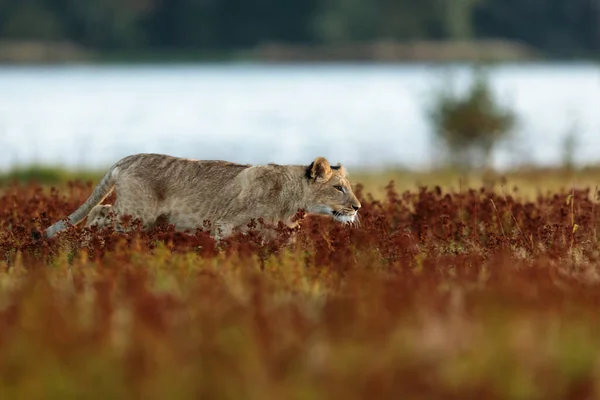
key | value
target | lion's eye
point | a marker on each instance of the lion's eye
(340, 188)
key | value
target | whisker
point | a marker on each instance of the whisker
(356, 221)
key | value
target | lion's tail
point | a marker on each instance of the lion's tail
(101, 191)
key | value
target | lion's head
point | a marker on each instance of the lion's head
(330, 192)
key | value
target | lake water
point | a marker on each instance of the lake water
(365, 116)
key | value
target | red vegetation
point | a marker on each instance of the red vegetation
(436, 295)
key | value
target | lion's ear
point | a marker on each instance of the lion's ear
(320, 170)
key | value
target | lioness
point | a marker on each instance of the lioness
(188, 192)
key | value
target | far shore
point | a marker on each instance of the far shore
(41, 52)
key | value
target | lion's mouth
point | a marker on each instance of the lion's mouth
(345, 217)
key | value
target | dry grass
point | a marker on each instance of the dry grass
(438, 294)
(529, 181)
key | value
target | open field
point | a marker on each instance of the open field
(529, 181)
(449, 292)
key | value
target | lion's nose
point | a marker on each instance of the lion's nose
(355, 207)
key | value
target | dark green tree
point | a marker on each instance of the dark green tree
(29, 20)
(469, 126)
(559, 27)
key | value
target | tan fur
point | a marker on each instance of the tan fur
(99, 216)
(188, 192)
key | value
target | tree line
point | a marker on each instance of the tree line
(555, 27)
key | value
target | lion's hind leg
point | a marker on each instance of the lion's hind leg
(100, 216)
(104, 216)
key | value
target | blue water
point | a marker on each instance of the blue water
(365, 116)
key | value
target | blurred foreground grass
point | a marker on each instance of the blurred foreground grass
(461, 296)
